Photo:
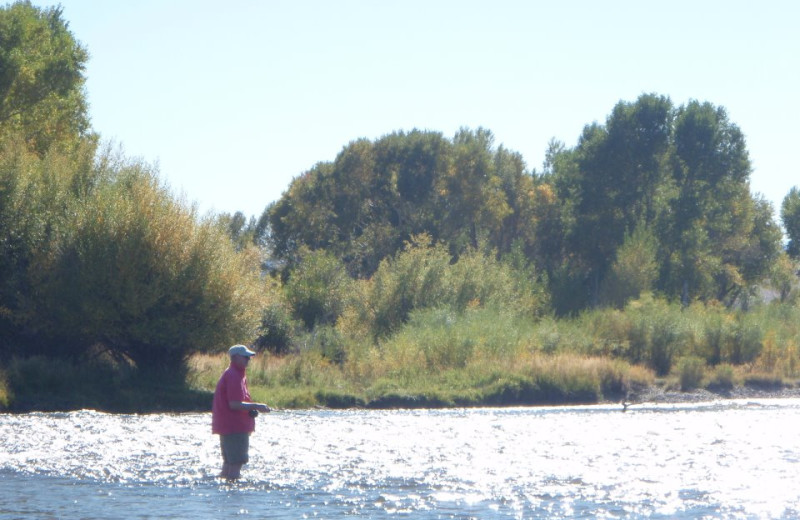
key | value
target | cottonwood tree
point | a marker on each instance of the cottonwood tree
(42, 98)
(720, 239)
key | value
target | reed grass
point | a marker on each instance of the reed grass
(480, 356)
(492, 356)
(310, 380)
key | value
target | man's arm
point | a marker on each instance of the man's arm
(246, 406)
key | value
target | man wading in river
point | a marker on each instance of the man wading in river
(233, 414)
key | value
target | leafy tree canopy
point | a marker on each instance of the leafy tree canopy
(682, 173)
(42, 65)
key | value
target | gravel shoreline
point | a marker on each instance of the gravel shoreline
(660, 395)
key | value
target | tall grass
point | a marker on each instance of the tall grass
(488, 355)
(307, 380)
(439, 358)
(481, 356)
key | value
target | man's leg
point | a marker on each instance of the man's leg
(234, 471)
(234, 454)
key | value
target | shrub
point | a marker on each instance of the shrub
(746, 343)
(716, 333)
(43, 383)
(329, 343)
(659, 333)
(37, 196)
(317, 288)
(609, 333)
(764, 381)
(441, 339)
(690, 370)
(722, 378)
(415, 278)
(422, 276)
(136, 271)
(635, 269)
(277, 329)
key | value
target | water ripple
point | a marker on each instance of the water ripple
(735, 459)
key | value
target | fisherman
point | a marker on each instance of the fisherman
(233, 413)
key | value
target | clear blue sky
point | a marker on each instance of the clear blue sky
(234, 99)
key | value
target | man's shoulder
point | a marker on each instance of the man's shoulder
(231, 373)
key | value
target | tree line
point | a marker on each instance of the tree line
(655, 199)
(99, 259)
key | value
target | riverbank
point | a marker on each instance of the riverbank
(662, 395)
(295, 382)
(181, 400)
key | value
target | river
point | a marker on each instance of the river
(726, 459)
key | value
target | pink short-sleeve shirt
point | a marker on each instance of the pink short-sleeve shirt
(232, 386)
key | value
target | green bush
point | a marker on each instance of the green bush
(414, 279)
(42, 383)
(608, 332)
(722, 378)
(716, 333)
(329, 343)
(764, 381)
(746, 344)
(441, 339)
(37, 196)
(114, 260)
(277, 330)
(317, 288)
(635, 269)
(691, 371)
(423, 276)
(659, 333)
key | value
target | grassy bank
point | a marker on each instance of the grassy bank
(304, 381)
(309, 380)
(478, 357)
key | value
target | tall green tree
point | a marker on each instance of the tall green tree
(721, 240)
(476, 204)
(684, 174)
(304, 215)
(790, 216)
(374, 196)
(42, 98)
(620, 181)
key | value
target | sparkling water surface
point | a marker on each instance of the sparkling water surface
(727, 459)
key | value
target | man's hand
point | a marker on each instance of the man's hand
(254, 408)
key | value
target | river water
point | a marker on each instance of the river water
(727, 459)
